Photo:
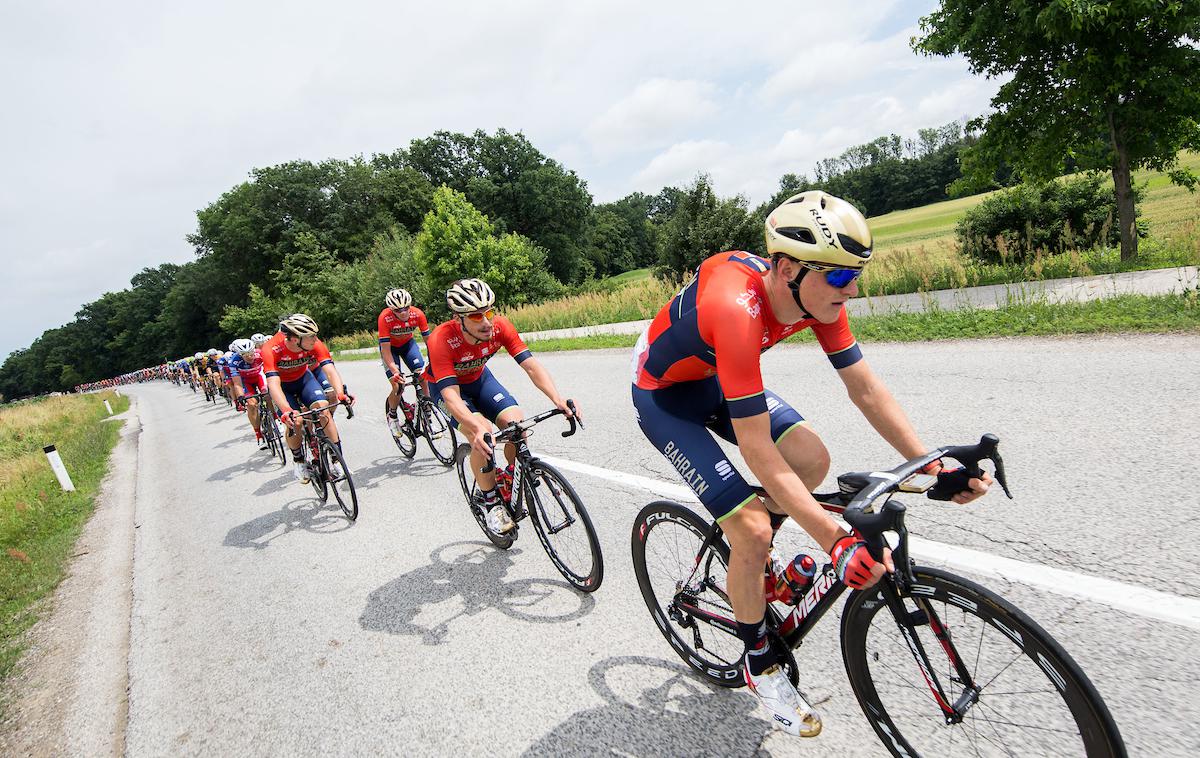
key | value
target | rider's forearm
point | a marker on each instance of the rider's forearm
(276, 392)
(882, 411)
(467, 421)
(385, 354)
(335, 379)
(541, 379)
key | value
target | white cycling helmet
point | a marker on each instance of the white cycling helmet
(213, 352)
(298, 325)
(467, 295)
(258, 338)
(821, 230)
(197, 356)
(241, 346)
(398, 299)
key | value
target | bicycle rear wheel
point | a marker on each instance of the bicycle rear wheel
(406, 441)
(438, 432)
(475, 498)
(665, 541)
(1030, 697)
(563, 527)
(340, 480)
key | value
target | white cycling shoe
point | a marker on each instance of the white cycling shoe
(393, 425)
(788, 708)
(498, 519)
(300, 471)
(335, 471)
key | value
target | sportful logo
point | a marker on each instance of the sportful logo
(724, 469)
(772, 404)
(685, 468)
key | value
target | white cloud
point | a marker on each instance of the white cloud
(650, 116)
(834, 69)
(680, 163)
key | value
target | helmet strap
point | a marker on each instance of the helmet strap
(794, 286)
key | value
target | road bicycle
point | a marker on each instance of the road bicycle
(269, 427)
(937, 662)
(543, 494)
(326, 463)
(422, 418)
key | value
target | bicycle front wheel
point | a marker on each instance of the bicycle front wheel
(666, 541)
(438, 432)
(1029, 696)
(406, 441)
(333, 463)
(564, 527)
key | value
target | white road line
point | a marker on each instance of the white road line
(1141, 601)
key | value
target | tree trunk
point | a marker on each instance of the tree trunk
(1123, 182)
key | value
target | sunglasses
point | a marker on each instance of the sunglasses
(834, 277)
(477, 317)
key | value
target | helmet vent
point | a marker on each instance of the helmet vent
(853, 246)
(798, 233)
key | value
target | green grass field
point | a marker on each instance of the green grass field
(39, 523)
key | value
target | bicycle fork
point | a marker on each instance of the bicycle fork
(925, 615)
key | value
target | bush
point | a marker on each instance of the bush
(1015, 224)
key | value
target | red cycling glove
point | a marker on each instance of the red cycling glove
(852, 561)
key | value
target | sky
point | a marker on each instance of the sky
(121, 120)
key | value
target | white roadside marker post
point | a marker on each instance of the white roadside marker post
(108, 407)
(59, 469)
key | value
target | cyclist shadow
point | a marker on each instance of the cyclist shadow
(473, 573)
(273, 485)
(304, 514)
(256, 465)
(382, 469)
(652, 706)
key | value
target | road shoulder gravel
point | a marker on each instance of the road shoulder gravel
(71, 687)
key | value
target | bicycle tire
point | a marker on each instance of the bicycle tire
(435, 426)
(330, 453)
(407, 441)
(1055, 697)
(466, 481)
(316, 471)
(660, 575)
(584, 573)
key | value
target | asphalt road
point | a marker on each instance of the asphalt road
(264, 624)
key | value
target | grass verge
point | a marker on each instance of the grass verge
(1123, 313)
(39, 523)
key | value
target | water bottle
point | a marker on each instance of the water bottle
(795, 580)
(504, 479)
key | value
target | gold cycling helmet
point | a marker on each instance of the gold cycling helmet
(819, 230)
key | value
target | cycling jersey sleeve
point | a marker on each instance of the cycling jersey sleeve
(441, 361)
(385, 334)
(736, 338)
(512, 341)
(320, 354)
(838, 342)
(423, 323)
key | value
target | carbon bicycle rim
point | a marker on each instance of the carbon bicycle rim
(474, 498)
(316, 470)
(665, 542)
(342, 484)
(1030, 697)
(563, 527)
(438, 432)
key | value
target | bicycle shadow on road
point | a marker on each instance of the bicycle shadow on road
(382, 469)
(255, 465)
(304, 514)
(657, 707)
(473, 573)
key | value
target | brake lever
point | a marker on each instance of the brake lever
(572, 420)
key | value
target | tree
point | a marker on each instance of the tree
(702, 225)
(457, 241)
(1107, 84)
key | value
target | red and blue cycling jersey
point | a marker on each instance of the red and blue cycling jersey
(247, 369)
(398, 331)
(453, 360)
(719, 324)
(289, 365)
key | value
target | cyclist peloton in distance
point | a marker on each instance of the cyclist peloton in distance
(459, 350)
(697, 373)
(399, 322)
(285, 359)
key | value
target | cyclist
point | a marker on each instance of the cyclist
(258, 339)
(696, 373)
(285, 360)
(398, 323)
(248, 379)
(459, 350)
